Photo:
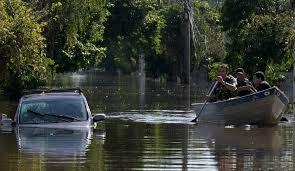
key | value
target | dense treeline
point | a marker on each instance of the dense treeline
(40, 37)
(154, 29)
(260, 36)
(74, 31)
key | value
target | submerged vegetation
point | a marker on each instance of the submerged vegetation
(39, 38)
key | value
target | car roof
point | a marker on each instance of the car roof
(41, 94)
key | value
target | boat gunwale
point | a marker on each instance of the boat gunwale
(251, 96)
(270, 93)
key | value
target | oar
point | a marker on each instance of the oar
(209, 95)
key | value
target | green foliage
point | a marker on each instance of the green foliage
(164, 64)
(274, 73)
(134, 27)
(124, 54)
(213, 70)
(155, 29)
(74, 31)
(22, 49)
(210, 37)
(82, 56)
(259, 36)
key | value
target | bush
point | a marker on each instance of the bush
(23, 61)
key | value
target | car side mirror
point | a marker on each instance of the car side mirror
(6, 121)
(99, 117)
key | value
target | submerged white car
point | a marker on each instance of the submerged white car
(54, 108)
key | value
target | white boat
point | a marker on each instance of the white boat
(264, 107)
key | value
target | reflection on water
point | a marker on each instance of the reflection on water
(150, 146)
(108, 93)
(147, 128)
(53, 142)
(195, 147)
(29, 148)
(245, 149)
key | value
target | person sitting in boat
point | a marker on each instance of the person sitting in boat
(259, 81)
(244, 86)
(226, 85)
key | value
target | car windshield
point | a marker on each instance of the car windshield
(53, 111)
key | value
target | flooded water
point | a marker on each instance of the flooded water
(147, 128)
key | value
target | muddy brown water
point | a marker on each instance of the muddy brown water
(147, 128)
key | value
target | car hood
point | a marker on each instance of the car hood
(63, 125)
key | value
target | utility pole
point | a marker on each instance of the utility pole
(187, 49)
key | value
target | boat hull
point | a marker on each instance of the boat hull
(264, 107)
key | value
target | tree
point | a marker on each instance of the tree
(211, 36)
(259, 35)
(134, 27)
(74, 31)
(155, 29)
(22, 49)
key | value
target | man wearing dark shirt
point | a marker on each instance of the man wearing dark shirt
(244, 86)
(259, 81)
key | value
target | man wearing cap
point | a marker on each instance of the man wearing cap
(244, 86)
